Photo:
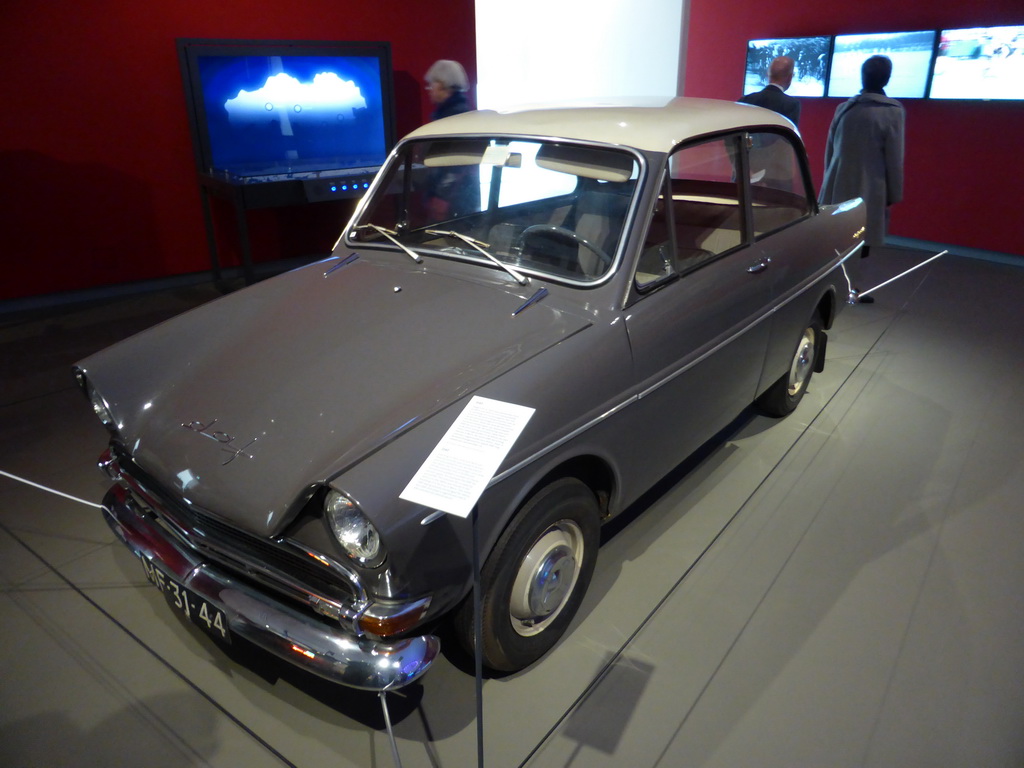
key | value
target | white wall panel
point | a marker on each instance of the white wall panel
(566, 50)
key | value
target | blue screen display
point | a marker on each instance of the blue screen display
(292, 114)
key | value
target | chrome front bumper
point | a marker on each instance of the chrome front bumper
(309, 643)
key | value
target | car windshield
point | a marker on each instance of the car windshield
(548, 208)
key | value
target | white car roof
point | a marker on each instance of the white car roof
(656, 126)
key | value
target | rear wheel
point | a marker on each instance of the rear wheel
(534, 580)
(785, 395)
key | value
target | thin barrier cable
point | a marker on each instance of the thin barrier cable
(50, 490)
(901, 274)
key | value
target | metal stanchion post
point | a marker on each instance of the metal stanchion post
(391, 731)
(478, 651)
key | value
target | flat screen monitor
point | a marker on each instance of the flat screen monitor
(979, 63)
(275, 110)
(911, 54)
(810, 57)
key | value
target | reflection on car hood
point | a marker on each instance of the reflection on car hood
(242, 404)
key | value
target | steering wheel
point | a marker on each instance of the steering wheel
(562, 236)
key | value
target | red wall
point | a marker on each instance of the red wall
(964, 161)
(97, 162)
(95, 154)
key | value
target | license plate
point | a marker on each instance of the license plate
(203, 614)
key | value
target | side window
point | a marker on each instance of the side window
(706, 201)
(657, 259)
(777, 189)
(701, 205)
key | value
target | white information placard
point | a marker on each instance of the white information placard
(461, 465)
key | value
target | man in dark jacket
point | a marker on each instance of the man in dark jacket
(774, 96)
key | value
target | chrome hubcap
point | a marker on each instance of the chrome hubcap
(546, 578)
(803, 363)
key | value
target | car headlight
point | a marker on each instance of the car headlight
(353, 530)
(99, 405)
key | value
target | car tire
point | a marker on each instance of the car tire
(782, 398)
(535, 577)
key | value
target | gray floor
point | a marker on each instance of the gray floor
(844, 587)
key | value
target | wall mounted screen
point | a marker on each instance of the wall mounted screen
(265, 110)
(979, 63)
(810, 57)
(911, 54)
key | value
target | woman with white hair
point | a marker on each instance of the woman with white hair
(451, 190)
(447, 85)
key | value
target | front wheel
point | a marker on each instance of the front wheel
(785, 395)
(534, 580)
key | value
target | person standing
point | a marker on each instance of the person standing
(774, 96)
(447, 85)
(864, 151)
(453, 190)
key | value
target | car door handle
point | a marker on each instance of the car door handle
(760, 266)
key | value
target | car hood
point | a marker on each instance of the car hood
(240, 406)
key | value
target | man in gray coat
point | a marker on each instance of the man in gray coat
(864, 152)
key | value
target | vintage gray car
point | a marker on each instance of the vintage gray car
(636, 275)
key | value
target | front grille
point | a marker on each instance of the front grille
(272, 563)
(256, 557)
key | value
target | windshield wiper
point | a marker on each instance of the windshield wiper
(391, 235)
(480, 245)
